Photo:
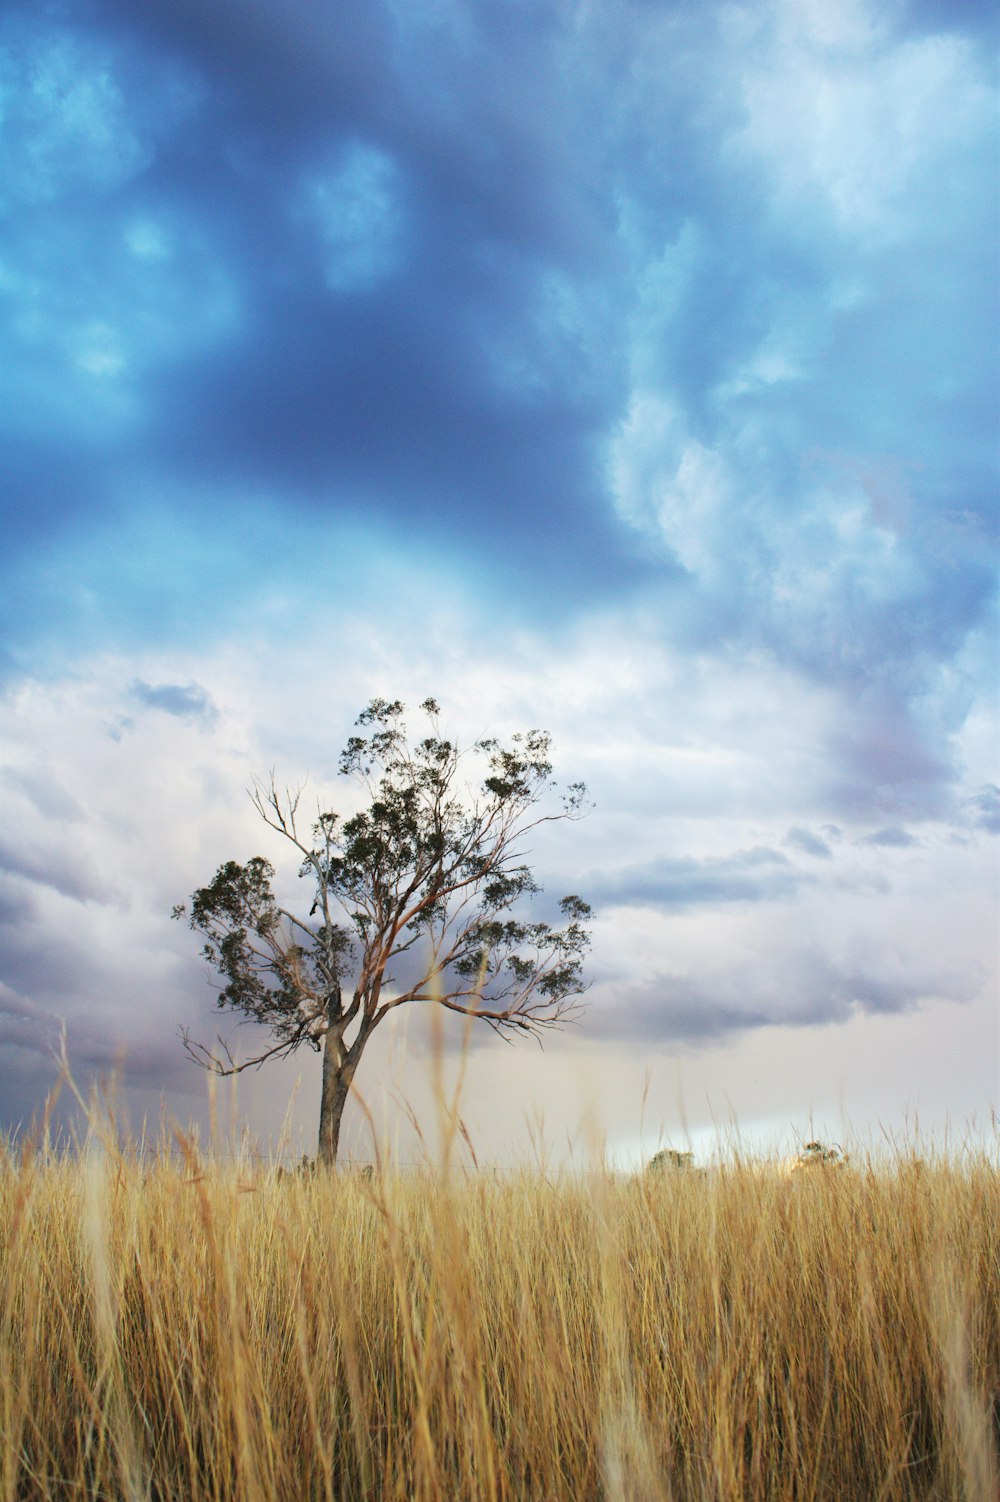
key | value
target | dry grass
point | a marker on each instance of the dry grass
(171, 1330)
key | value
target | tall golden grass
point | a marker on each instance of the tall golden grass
(177, 1329)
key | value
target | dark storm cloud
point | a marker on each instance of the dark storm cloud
(671, 1008)
(205, 330)
(581, 301)
(16, 907)
(52, 968)
(758, 875)
(34, 1083)
(67, 872)
(804, 990)
(72, 992)
(27, 1082)
(160, 1062)
(381, 263)
(25, 1025)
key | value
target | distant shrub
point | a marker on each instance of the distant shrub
(822, 1154)
(815, 1155)
(669, 1159)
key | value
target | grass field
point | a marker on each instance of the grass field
(170, 1329)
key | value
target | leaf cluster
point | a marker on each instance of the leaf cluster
(431, 868)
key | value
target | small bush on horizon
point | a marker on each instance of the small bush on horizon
(822, 1155)
(670, 1158)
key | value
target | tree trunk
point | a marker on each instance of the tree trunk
(336, 1084)
(336, 1089)
(339, 1064)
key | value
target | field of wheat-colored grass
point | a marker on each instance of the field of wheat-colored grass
(170, 1329)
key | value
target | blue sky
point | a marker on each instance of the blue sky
(628, 368)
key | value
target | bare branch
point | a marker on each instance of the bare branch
(211, 1062)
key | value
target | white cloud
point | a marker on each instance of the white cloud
(675, 486)
(148, 240)
(841, 114)
(358, 208)
(687, 771)
(99, 350)
(67, 121)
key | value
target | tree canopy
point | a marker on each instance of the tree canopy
(417, 897)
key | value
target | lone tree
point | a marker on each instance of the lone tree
(429, 878)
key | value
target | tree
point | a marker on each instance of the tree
(428, 879)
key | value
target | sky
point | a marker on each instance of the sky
(623, 367)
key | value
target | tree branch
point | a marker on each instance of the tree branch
(211, 1062)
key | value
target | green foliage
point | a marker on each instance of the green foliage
(267, 974)
(430, 869)
(670, 1159)
(821, 1154)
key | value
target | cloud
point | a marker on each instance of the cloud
(985, 808)
(358, 211)
(555, 293)
(756, 875)
(40, 784)
(806, 988)
(672, 1009)
(804, 839)
(893, 98)
(16, 906)
(49, 864)
(183, 701)
(891, 837)
(67, 124)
